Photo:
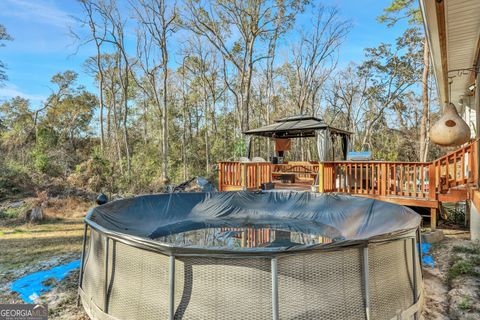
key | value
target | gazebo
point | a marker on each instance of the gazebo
(303, 126)
(418, 184)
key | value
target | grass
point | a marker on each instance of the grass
(475, 249)
(29, 248)
(475, 260)
(465, 304)
(28, 245)
(464, 261)
(24, 244)
(461, 268)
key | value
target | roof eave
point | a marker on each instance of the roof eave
(430, 24)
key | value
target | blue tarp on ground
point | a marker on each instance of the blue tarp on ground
(427, 259)
(33, 285)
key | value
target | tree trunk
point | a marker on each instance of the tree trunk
(36, 214)
(207, 142)
(102, 134)
(124, 123)
(109, 119)
(145, 123)
(248, 85)
(116, 135)
(165, 120)
(125, 139)
(184, 120)
(100, 95)
(423, 140)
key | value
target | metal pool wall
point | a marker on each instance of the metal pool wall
(372, 280)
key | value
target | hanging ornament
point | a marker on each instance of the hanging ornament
(450, 129)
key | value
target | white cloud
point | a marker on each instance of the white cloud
(40, 11)
(11, 91)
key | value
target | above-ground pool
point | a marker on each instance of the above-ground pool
(240, 255)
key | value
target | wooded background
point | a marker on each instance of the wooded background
(163, 113)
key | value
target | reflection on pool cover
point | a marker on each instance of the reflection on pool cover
(232, 238)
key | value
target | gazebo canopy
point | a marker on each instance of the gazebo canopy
(295, 127)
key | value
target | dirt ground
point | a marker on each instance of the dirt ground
(452, 287)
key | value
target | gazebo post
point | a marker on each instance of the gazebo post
(248, 140)
(345, 146)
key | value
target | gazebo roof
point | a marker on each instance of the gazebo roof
(295, 127)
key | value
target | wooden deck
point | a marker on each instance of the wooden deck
(297, 186)
(419, 184)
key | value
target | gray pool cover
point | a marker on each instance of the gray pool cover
(339, 217)
(371, 270)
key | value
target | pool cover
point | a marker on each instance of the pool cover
(345, 219)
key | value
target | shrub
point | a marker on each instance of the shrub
(461, 268)
(40, 161)
(14, 213)
(465, 304)
(14, 178)
(91, 174)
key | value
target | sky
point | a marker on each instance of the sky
(43, 43)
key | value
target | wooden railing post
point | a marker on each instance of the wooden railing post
(321, 176)
(432, 193)
(475, 162)
(243, 176)
(432, 185)
(270, 174)
(383, 179)
(220, 176)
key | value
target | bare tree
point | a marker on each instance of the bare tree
(347, 100)
(253, 21)
(98, 31)
(315, 57)
(158, 22)
(203, 64)
(108, 12)
(278, 31)
(112, 91)
(4, 36)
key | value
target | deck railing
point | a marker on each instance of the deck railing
(457, 168)
(243, 175)
(229, 175)
(410, 179)
(421, 180)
